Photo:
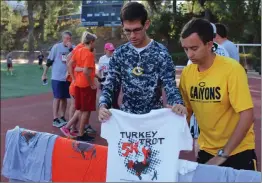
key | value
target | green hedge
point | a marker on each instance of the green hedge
(250, 59)
(179, 58)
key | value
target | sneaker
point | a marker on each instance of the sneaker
(57, 123)
(85, 138)
(89, 129)
(65, 131)
(73, 134)
(63, 120)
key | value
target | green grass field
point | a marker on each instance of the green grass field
(25, 81)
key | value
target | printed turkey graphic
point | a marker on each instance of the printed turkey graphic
(83, 147)
(139, 159)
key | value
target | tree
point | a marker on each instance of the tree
(30, 7)
(10, 24)
(42, 18)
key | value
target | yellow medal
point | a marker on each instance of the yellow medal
(138, 71)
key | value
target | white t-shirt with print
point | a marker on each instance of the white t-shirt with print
(145, 147)
(103, 65)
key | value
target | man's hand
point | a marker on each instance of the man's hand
(44, 77)
(178, 109)
(103, 114)
(69, 44)
(216, 161)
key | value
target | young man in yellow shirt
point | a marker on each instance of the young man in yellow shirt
(216, 89)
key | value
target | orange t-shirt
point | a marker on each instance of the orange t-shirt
(75, 161)
(80, 45)
(84, 58)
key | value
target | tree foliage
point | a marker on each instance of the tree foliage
(242, 18)
(10, 24)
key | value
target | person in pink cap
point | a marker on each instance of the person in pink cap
(103, 66)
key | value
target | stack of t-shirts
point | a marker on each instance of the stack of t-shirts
(194, 172)
(43, 157)
(28, 155)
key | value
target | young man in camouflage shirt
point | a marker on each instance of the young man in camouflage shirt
(142, 66)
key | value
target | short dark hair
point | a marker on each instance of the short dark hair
(132, 11)
(200, 26)
(221, 30)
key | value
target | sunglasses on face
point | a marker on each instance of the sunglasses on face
(135, 31)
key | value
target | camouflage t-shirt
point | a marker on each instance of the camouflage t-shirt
(142, 76)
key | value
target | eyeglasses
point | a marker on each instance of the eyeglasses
(135, 31)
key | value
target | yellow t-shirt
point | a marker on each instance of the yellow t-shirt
(216, 96)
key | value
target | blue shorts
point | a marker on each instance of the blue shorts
(60, 89)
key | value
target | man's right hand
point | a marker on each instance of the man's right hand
(44, 77)
(103, 114)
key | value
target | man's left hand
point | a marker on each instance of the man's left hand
(69, 44)
(216, 161)
(178, 109)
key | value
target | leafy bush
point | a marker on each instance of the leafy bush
(179, 58)
(250, 59)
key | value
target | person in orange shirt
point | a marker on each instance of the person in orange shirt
(85, 88)
(70, 130)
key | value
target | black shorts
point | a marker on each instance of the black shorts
(40, 62)
(9, 65)
(246, 160)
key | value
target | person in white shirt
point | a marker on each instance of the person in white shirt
(221, 38)
(103, 63)
(103, 66)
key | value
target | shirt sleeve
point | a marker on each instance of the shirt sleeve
(99, 63)
(168, 78)
(52, 53)
(112, 81)
(238, 89)
(182, 87)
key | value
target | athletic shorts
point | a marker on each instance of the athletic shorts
(40, 62)
(60, 89)
(85, 99)
(9, 65)
(246, 160)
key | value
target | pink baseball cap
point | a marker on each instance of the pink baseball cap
(109, 47)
